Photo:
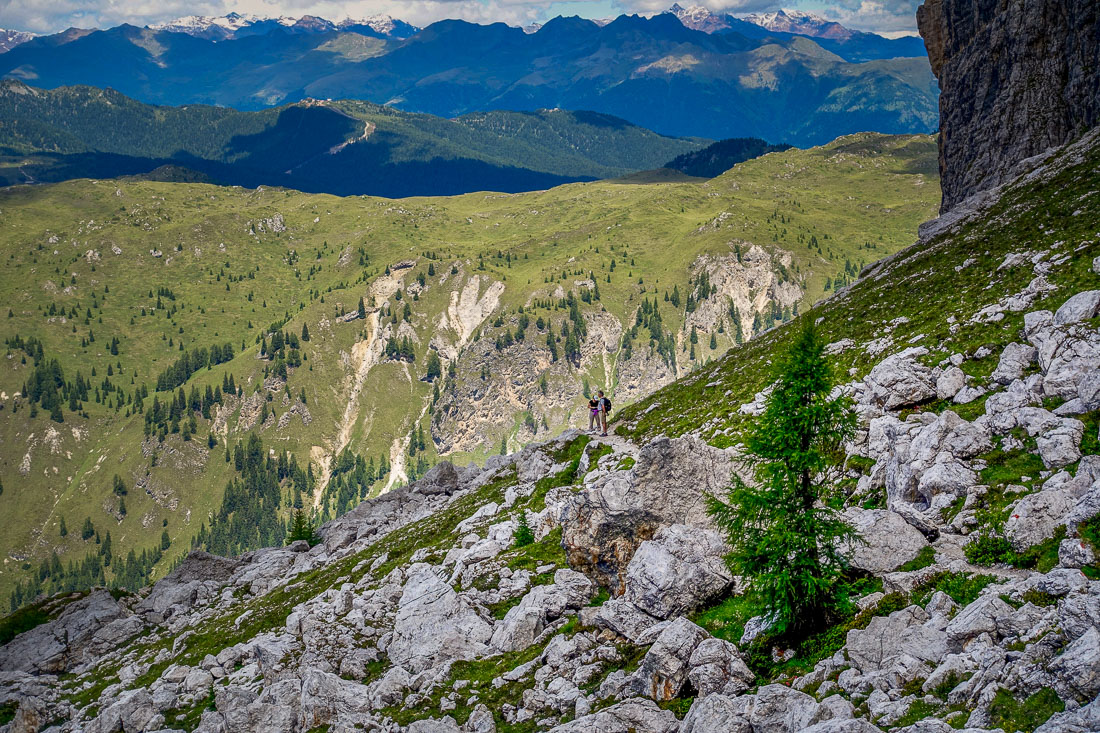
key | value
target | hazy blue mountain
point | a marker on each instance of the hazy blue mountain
(653, 72)
(345, 147)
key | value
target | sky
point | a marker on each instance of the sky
(888, 17)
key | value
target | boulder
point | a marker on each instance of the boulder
(900, 380)
(1077, 671)
(603, 524)
(524, 622)
(887, 639)
(887, 540)
(716, 667)
(1080, 307)
(624, 618)
(1015, 359)
(779, 708)
(1075, 553)
(199, 576)
(1035, 517)
(980, 617)
(628, 716)
(327, 698)
(434, 624)
(717, 712)
(441, 478)
(950, 383)
(678, 570)
(664, 669)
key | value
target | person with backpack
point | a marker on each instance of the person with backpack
(605, 410)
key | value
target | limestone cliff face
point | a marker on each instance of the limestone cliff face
(1017, 77)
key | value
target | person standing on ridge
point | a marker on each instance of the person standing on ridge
(605, 409)
(593, 412)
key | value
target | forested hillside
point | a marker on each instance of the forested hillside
(345, 147)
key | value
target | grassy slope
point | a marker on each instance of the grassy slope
(955, 274)
(863, 189)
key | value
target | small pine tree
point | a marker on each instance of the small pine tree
(785, 540)
(63, 530)
(434, 367)
(301, 529)
(165, 540)
(305, 332)
(523, 535)
(362, 309)
(87, 530)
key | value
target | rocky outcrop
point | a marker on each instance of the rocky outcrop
(1017, 78)
(606, 522)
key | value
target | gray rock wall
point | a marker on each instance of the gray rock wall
(1017, 77)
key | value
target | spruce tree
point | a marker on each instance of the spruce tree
(787, 543)
(523, 535)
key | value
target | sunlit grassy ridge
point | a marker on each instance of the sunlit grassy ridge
(227, 264)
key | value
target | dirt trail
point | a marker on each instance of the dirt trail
(364, 355)
(398, 454)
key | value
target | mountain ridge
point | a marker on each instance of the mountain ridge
(713, 85)
(342, 147)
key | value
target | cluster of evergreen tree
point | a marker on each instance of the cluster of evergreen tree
(98, 568)
(191, 362)
(249, 514)
(46, 386)
(648, 319)
(351, 482)
(701, 289)
(399, 349)
(417, 446)
(283, 351)
(177, 413)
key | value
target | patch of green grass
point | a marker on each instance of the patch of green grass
(961, 587)
(1012, 715)
(1010, 467)
(547, 551)
(918, 710)
(1039, 598)
(924, 558)
(625, 464)
(678, 705)
(952, 680)
(988, 549)
(24, 619)
(7, 712)
(602, 596)
(188, 718)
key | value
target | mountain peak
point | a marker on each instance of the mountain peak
(9, 39)
(233, 25)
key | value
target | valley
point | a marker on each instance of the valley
(363, 339)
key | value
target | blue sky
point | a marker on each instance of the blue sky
(890, 17)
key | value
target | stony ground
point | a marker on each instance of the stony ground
(977, 493)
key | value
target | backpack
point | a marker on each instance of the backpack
(607, 405)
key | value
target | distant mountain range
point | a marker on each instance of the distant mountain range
(738, 81)
(236, 25)
(345, 147)
(849, 44)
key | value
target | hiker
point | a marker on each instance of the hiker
(605, 410)
(593, 412)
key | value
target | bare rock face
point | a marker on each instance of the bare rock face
(1017, 77)
(607, 521)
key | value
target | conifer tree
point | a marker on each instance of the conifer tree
(63, 530)
(523, 535)
(787, 543)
